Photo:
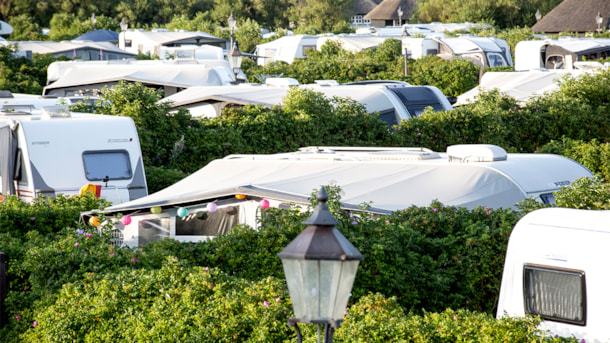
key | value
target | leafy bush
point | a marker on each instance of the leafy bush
(375, 318)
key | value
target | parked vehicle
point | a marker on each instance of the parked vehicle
(51, 150)
(394, 101)
(482, 51)
(559, 53)
(235, 189)
(556, 268)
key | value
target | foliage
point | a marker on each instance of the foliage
(503, 14)
(20, 74)
(161, 132)
(68, 282)
(158, 178)
(386, 62)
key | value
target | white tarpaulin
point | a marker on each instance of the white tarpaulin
(387, 185)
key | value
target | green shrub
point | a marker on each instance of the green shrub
(170, 304)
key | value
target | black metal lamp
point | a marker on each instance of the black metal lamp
(235, 59)
(320, 265)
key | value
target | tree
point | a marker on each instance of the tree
(501, 13)
(321, 14)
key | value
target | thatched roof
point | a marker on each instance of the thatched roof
(575, 16)
(387, 10)
(365, 6)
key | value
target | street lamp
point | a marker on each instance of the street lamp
(93, 20)
(599, 19)
(399, 12)
(235, 59)
(320, 265)
(232, 25)
(538, 15)
(124, 25)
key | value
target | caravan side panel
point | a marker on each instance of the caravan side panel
(571, 246)
(61, 155)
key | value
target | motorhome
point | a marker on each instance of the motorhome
(51, 150)
(235, 189)
(394, 101)
(556, 268)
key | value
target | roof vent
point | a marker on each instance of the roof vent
(49, 112)
(403, 155)
(465, 153)
(281, 81)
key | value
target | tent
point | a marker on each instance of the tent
(386, 179)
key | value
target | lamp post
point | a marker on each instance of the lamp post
(232, 25)
(399, 12)
(235, 59)
(124, 25)
(599, 19)
(320, 265)
(538, 15)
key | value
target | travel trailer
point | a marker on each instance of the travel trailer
(394, 101)
(69, 78)
(556, 268)
(559, 53)
(51, 150)
(237, 189)
(482, 51)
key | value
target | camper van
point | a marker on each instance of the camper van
(52, 150)
(557, 268)
(236, 189)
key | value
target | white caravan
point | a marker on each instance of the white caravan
(51, 151)
(557, 268)
(393, 100)
(482, 51)
(559, 53)
(236, 189)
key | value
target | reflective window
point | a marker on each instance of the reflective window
(496, 60)
(203, 223)
(107, 165)
(555, 294)
(150, 230)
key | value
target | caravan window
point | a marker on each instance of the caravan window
(150, 230)
(205, 223)
(555, 62)
(107, 165)
(496, 60)
(555, 294)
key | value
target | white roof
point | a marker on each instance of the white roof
(165, 37)
(161, 72)
(391, 180)
(465, 44)
(371, 96)
(51, 47)
(355, 43)
(521, 85)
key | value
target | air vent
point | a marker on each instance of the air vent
(465, 153)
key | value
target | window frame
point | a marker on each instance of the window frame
(527, 295)
(99, 152)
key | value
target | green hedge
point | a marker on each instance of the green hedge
(421, 261)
